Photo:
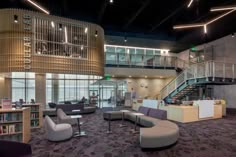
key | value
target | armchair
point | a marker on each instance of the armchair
(63, 118)
(57, 132)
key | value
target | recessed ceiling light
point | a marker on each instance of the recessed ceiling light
(15, 18)
(111, 1)
(60, 26)
(125, 40)
(96, 33)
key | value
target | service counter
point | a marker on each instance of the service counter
(185, 114)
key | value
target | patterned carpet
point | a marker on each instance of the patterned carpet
(212, 138)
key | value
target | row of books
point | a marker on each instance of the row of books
(5, 117)
(34, 123)
(17, 137)
(34, 115)
(10, 129)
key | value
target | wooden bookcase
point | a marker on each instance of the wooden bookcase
(36, 115)
(15, 124)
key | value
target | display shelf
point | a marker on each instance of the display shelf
(15, 124)
(9, 122)
(15, 133)
(36, 115)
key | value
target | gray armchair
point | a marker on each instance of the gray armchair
(63, 118)
(57, 132)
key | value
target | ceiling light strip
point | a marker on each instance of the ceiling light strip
(233, 7)
(189, 26)
(38, 6)
(190, 3)
(219, 17)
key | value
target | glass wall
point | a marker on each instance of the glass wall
(66, 87)
(23, 86)
(117, 55)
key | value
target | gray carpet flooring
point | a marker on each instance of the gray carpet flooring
(212, 138)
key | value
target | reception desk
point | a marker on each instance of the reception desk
(185, 114)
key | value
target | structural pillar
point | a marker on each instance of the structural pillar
(40, 89)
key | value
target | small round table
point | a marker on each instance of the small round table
(80, 133)
(123, 116)
(137, 115)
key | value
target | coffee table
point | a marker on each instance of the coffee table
(123, 115)
(137, 115)
(79, 133)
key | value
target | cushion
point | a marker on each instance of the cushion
(143, 110)
(157, 113)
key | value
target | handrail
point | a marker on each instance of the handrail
(200, 70)
(122, 59)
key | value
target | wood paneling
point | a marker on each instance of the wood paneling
(12, 54)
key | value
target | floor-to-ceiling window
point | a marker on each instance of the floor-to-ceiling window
(23, 86)
(68, 87)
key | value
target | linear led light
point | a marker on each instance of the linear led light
(219, 17)
(52, 24)
(86, 30)
(203, 24)
(223, 8)
(190, 3)
(188, 26)
(205, 29)
(38, 6)
(132, 47)
(66, 37)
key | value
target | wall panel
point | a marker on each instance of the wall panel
(33, 45)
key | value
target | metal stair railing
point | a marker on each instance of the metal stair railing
(214, 69)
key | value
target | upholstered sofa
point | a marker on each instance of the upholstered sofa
(158, 131)
(67, 108)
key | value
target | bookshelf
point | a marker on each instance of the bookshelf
(14, 124)
(36, 115)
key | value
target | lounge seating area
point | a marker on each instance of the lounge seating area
(113, 78)
(159, 132)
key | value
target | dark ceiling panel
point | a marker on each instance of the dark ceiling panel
(154, 18)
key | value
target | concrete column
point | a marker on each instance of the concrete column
(55, 90)
(40, 89)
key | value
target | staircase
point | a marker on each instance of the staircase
(205, 73)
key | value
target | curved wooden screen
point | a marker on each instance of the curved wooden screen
(35, 42)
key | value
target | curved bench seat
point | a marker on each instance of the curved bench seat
(160, 133)
(158, 136)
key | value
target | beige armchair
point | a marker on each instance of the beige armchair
(57, 132)
(63, 118)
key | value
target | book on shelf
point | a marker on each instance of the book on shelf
(11, 129)
(4, 129)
